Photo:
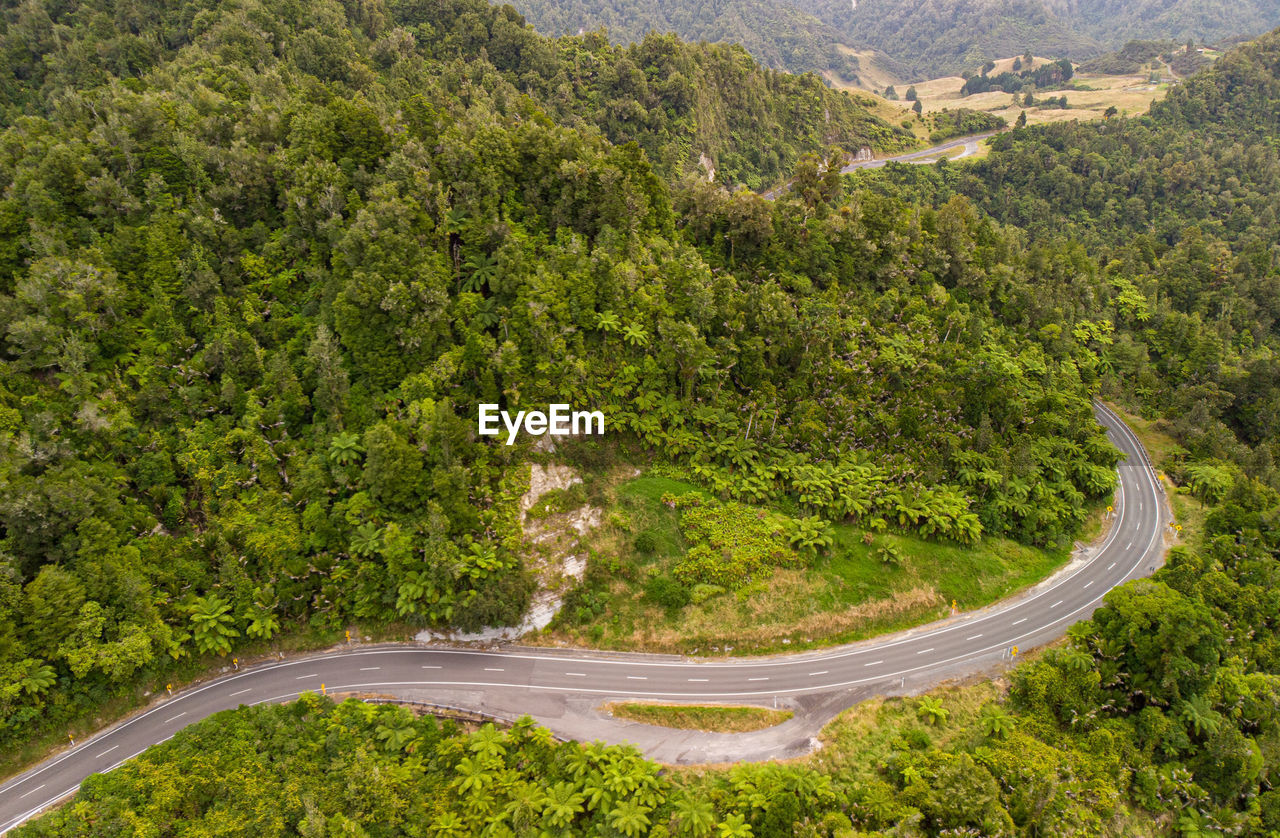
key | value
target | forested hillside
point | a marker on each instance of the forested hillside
(1156, 717)
(942, 37)
(1170, 221)
(776, 34)
(922, 39)
(262, 261)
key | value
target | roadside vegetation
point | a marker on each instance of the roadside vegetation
(713, 718)
(260, 261)
(674, 570)
(243, 355)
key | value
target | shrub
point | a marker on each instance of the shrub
(703, 592)
(733, 544)
(666, 592)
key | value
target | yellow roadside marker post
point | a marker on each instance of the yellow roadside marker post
(72, 738)
(348, 635)
(1013, 653)
(169, 687)
(236, 663)
(322, 690)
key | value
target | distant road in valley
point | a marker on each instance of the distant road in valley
(927, 155)
(527, 677)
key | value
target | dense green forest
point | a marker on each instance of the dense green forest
(942, 37)
(1170, 222)
(262, 261)
(918, 40)
(776, 34)
(1159, 717)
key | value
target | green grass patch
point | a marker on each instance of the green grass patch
(713, 718)
(863, 585)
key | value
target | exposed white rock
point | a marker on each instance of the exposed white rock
(556, 559)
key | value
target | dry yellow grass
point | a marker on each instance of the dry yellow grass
(784, 606)
(1129, 94)
(871, 69)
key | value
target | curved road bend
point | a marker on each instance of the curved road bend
(1132, 549)
(926, 155)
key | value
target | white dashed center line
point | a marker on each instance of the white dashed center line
(757, 679)
(33, 791)
(636, 678)
(577, 674)
(816, 674)
(1113, 564)
(975, 637)
(431, 667)
(369, 668)
(493, 669)
(312, 675)
(107, 751)
(922, 651)
(242, 692)
(175, 718)
(1023, 620)
(1056, 604)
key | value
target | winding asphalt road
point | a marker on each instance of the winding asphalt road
(925, 155)
(928, 155)
(1132, 549)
